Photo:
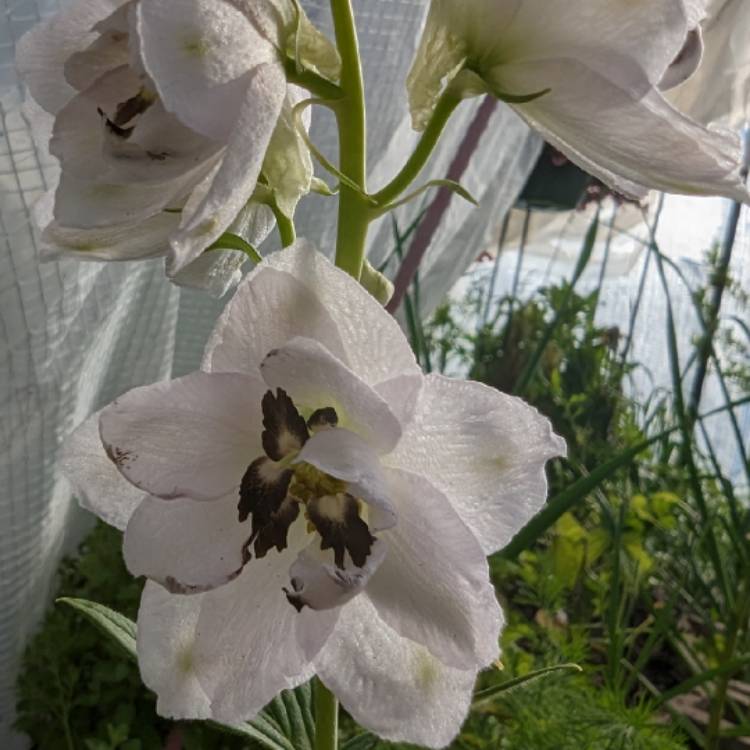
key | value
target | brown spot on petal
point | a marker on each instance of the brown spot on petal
(336, 519)
(323, 418)
(285, 430)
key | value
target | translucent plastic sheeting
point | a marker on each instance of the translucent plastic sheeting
(75, 335)
(686, 231)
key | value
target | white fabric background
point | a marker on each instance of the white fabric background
(75, 335)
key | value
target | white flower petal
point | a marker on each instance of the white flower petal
(346, 456)
(322, 303)
(216, 272)
(622, 139)
(97, 485)
(401, 394)
(129, 241)
(315, 379)
(614, 38)
(236, 179)
(316, 582)
(109, 50)
(166, 640)
(484, 450)
(199, 52)
(191, 437)
(239, 344)
(42, 52)
(390, 685)
(248, 646)
(686, 63)
(433, 586)
(185, 545)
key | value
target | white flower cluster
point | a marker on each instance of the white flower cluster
(171, 121)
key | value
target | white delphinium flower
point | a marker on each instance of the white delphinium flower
(310, 502)
(589, 77)
(168, 116)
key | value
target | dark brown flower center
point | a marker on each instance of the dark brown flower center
(273, 488)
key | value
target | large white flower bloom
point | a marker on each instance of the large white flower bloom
(603, 66)
(164, 112)
(310, 502)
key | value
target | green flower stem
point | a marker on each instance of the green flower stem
(287, 232)
(326, 717)
(444, 109)
(354, 214)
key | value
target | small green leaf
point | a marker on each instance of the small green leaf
(229, 241)
(111, 623)
(483, 696)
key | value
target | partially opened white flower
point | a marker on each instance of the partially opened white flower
(589, 77)
(164, 112)
(310, 502)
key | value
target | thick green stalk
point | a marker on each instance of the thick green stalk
(354, 206)
(326, 717)
(426, 145)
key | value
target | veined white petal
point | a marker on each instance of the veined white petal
(42, 52)
(199, 53)
(324, 306)
(215, 272)
(316, 582)
(391, 685)
(484, 450)
(238, 344)
(316, 379)
(346, 456)
(236, 179)
(127, 241)
(247, 647)
(166, 640)
(192, 437)
(433, 586)
(624, 139)
(188, 547)
(97, 485)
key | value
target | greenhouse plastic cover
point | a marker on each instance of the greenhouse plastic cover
(74, 335)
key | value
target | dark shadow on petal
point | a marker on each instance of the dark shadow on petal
(262, 491)
(323, 418)
(336, 519)
(285, 430)
(274, 533)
